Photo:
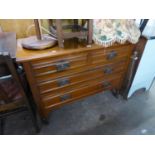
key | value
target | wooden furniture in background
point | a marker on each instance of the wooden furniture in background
(60, 76)
(12, 95)
(77, 30)
(138, 52)
(144, 75)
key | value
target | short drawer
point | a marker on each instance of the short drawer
(81, 92)
(110, 54)
(100, 72)
(59, 68)
(59, 64)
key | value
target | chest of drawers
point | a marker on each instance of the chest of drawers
(60, 76)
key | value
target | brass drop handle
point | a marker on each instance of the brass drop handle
(106, 84)
(65, 97)
(111, 55)
(108, 70)
(62, 65)
(63, 82)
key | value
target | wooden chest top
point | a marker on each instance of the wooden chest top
(24, 55)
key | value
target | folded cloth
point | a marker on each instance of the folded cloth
(108, 31)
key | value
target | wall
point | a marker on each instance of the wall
(20, 26)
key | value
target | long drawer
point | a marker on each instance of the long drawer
(51, 101)
(70, 81)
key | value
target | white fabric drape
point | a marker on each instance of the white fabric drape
(108, 31)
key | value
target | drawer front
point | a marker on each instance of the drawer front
(50, 101)
(110, 54)
(46, 76)
(76, 79)
(58, 64)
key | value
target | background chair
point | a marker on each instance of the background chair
(13, 96)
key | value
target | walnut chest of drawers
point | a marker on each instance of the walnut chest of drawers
(60, 76)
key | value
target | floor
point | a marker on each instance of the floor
(101, 114)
